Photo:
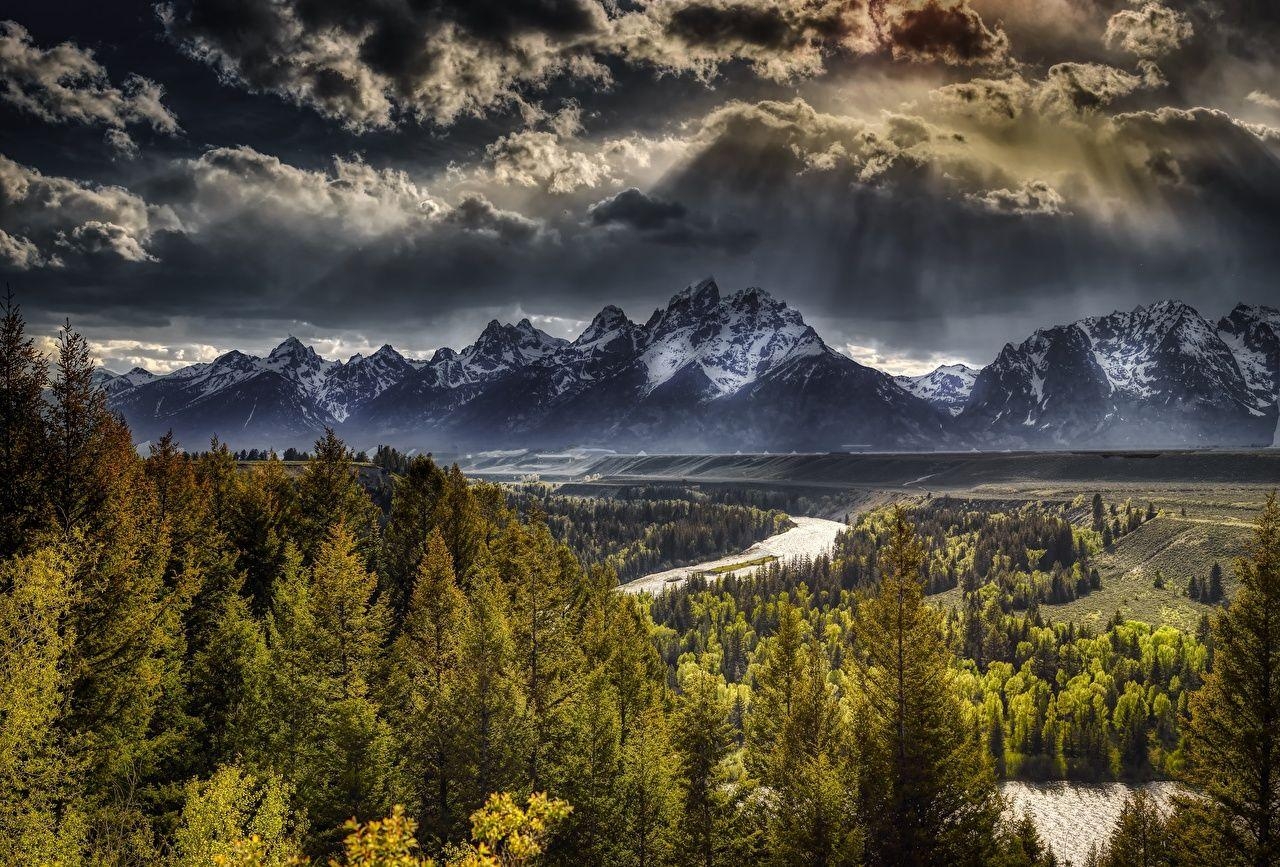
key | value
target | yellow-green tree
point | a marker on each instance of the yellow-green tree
(230, 806)
(41, 811)
(325, 636)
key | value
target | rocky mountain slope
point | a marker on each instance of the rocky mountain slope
(947, 387)
(709, 372)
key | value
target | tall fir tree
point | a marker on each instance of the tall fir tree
(1233, 738)
(415, 496)
(329, 493)
(426, 680)
(24, 505)
(928, 795)
(325, 637)
(798, 745)
(707, 829)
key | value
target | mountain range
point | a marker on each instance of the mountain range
(738, 373)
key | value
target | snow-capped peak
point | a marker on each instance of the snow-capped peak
(732, 341)
(947, 387)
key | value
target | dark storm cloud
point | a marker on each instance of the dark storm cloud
(950, 32)
(636, 210)
(475, 213)
(370, 66)
(367, 64)
(655, 220)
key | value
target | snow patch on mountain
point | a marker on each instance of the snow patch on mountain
(946, 387)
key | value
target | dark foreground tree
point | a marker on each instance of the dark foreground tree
(928, 793)
(1233, 741)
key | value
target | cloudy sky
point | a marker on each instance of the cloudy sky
(923, 179)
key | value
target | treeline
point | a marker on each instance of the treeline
(634, 536)
(1031, 552)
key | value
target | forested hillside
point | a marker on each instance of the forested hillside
(207, 664)
(633, 536)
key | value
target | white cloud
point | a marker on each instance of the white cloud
(65, 84)
(1152, 31)
(124, 355)
(898, 363)
(1264, 99)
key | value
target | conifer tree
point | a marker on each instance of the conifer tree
(1233, 738)
(798, 745)
(24, 508)
(329, 493)
(703, 739)
(325, 635)
(415, 496)
(426, 659)
(492, 728)
(1141, 837)
(928, 796)
(543, 582)
(1215, 591)
(648, 803)
(260, 516)
(41, 807)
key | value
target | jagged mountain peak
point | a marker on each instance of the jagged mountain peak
(292, 348)
(608, 324)
(947, 386)
(741, 369)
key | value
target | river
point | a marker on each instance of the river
(809, 537)
(1070, 816)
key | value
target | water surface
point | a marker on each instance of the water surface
(1072, 816)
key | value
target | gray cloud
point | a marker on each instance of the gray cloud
(65, 84)
(475, 213)
(46, 218)
(374, 65)
(950, 32)
(636, 210)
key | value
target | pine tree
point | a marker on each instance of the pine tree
(1233, 738)
(228, 688)
(492, 731)
(1215, 591)
(544, 582)
(703, 739)
(259, 517)
(798, 745)
(648, 794)
(325, 635)
(414, 499)
(329, 493)
(1099, 515)
(24, 508)
(426, 658)
(1140, 838)
(927, 794)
